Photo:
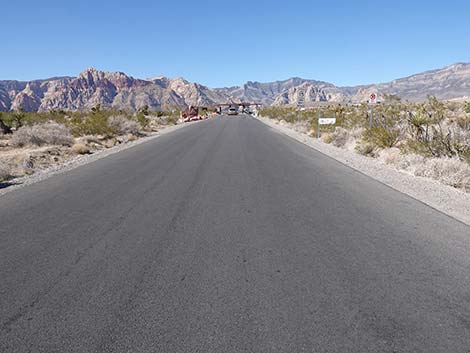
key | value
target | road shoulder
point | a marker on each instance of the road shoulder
(443, 198)
(80, 160)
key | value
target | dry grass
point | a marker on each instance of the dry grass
(449, 171)
(50, 133)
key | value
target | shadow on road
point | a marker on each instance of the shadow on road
(6, 184)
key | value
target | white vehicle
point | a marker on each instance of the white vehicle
(232, 111)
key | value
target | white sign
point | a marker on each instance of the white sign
(373, 98)
(326, 121)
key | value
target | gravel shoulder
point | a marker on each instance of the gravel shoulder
(443, 198)
(80, 160)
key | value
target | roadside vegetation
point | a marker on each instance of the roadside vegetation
(430, 139)
(32, 141)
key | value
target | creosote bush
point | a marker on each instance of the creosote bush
(95, 123)
(50, 133)
(382, 137)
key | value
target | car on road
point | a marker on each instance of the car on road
(232, 111)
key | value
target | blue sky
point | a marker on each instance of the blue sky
(222, 43)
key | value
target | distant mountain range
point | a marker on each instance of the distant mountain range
(117, 90)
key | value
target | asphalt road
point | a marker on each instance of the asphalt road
(226, 236)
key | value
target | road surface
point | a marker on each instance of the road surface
(226, 236)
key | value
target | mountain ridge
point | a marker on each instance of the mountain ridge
(120, 91)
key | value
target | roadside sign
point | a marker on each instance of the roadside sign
(300, 99)
(373, 98)
(326, 121)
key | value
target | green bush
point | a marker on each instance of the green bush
(141, 116)
(382, 137)
(464, 122)
(467, 107)
(95, 123)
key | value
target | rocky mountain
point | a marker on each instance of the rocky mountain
(108, 89)
(451, 82)
(117, 90)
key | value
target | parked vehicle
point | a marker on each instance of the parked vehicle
(232, 111)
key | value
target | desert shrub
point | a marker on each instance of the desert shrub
(167, 117)
(289, 114)
(449, 171)
(327, 137)
(388, 115)
(300, 126)
(382, 137)
(463, 122)
(365, 148)
(391, 156)
(142, 116)
(95, 123)
(353, 118)
(142, 120)
(4, 173)
(340, 137)
(50, 133)
(4, 127)
(466, 107)
(17, 119)
(439, 140)
(122, 125)
(410, 162)
(171, 120)
(80, 148)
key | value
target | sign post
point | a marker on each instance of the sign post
(372, 102)
(318, 124)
